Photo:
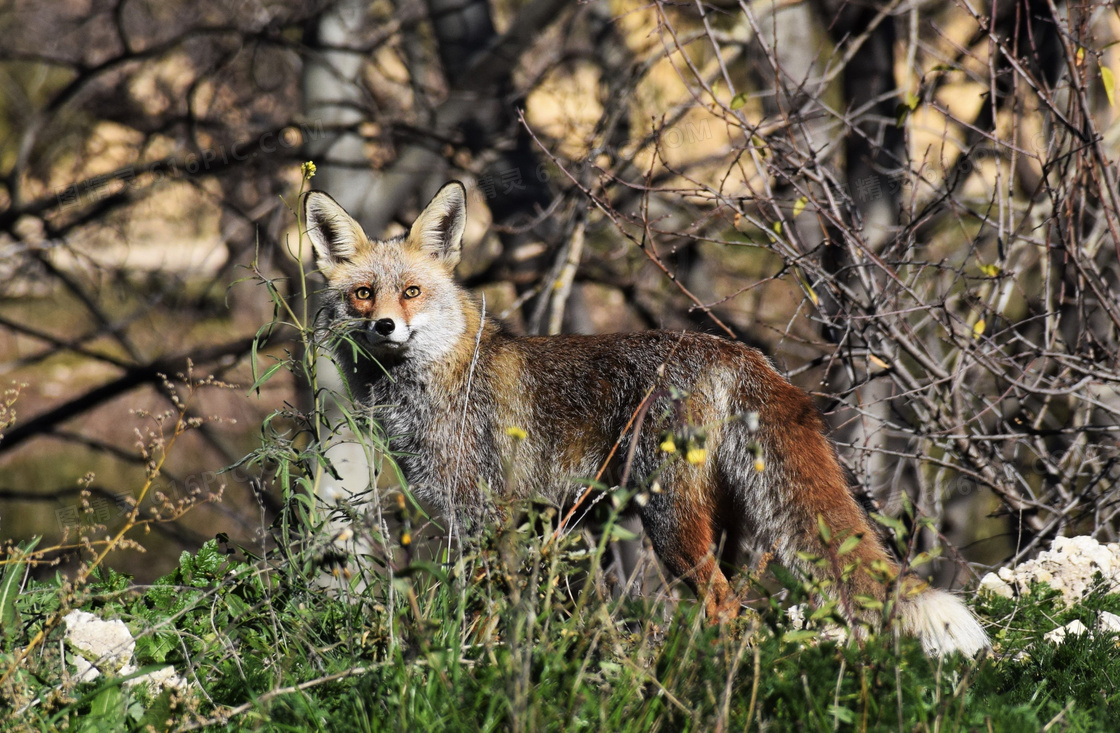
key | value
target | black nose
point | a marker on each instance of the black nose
(385, 326)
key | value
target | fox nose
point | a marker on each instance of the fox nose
(385, 326)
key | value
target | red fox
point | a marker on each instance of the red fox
(475, 412)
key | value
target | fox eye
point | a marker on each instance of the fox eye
(363, 293)
(411, 291)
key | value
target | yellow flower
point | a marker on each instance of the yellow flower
(307, 169)
(516, 433)
(759, 465)
(668, 445)
(696, 456)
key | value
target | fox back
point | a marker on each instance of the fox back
(722, 449)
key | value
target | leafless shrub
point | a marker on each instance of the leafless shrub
(913, 206)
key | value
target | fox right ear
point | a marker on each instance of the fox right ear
(438, 230)
(334, 234)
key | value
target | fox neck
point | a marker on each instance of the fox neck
(450, 368)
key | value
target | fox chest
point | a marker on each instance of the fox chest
(444, 447)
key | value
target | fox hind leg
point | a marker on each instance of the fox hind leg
(682, 528)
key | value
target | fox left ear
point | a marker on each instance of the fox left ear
(439, 228)
(334, 234)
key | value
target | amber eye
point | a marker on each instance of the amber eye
(363, 293)
(411, 291)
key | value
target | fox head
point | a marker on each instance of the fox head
(397, 296)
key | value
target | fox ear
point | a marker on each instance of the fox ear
(334, 234)
(439, 228)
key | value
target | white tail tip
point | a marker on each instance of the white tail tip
(943, 624)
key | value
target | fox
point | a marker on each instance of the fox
(476, 413)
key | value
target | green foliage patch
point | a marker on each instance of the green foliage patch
(500, 639)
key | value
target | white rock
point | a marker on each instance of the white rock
(160, 679)
(1068, 567)
(107, 646)
(996, 586)
(1059, 634)
(1109, 622)
(99, 646)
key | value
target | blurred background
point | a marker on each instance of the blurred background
(911, 206)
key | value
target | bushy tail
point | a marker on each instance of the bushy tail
(942, 622)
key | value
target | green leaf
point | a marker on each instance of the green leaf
(266, 376)
(9, 592)
(901, 112)
(738, 100)
(153, 648)
(237, 606)
(890, 523)
(923, 557)
(849, 544)
(812, 559)
(825, 532)
(108, 702)
(620, 533)
(844, 715)
(795, 637)
(1109, 85)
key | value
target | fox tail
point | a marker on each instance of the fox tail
(942, 622)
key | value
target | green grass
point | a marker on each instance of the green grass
(501, 639)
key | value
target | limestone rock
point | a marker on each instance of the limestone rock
(1069, 567)
(99, 646)
(1059, 634)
